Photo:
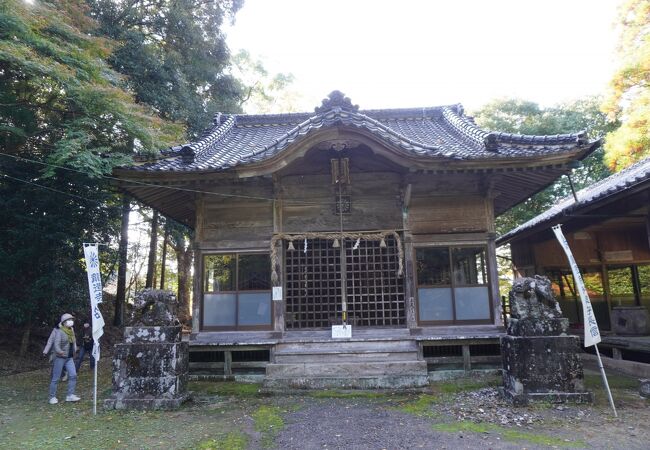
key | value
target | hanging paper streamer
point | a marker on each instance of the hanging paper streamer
(356, 244)
(305, 249)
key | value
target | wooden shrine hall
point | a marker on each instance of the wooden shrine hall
(379, 220)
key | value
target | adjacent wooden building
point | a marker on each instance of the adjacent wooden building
(383, 219)
(607, 226)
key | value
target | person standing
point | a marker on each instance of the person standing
(49, 352)
(65, 346)
(86, 346)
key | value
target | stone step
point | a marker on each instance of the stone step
(338, 357)
(371, 382)
(352, 346)
(346, 369)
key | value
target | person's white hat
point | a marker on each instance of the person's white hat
(65, 317)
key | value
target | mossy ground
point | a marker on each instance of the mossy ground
(216, 419)
(509, 434)
(228, 415)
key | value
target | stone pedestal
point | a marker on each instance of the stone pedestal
(150, 369)
(543, 368)
(630, 320)
(644, 388)
(540, 361)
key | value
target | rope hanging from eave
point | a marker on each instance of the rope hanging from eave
(275, 254)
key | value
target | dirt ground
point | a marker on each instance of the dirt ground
(226, 415)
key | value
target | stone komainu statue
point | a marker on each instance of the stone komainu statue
(154, 307)
(540, 360)
(534, 310)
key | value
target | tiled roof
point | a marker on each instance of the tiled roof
(442, 132)
(614, 184)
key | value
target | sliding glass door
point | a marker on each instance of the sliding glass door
(452, 285)
(236, 292)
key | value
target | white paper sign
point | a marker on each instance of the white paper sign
(341, 331)
(592, 333)
(277, 293)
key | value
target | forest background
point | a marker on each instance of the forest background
(88, 85)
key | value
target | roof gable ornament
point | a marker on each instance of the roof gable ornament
(187, 154)
(336, 100)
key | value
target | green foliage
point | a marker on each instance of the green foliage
(174, 54)
(629, 93)
(524, 117)
(264, 93)
(60, 104)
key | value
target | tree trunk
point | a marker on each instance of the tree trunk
(184, 259)
(120, 300)
(153, 246)
(164, 258)
(24, 342)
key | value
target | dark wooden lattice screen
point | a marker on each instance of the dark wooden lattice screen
(375, 295)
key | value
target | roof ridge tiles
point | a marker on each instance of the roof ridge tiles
(461, 124)
(221, 128)
(554, 139)
(347, 117)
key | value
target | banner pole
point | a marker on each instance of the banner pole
(602, 373)
(592, 333)
(91, 255)
(95, 390)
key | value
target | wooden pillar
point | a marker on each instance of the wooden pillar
(647, 226)
(409, 272)
(493, 270)
(467, 360)
(197, 299)
(493, 275)
(278, 305)
(227, 363)
(409, 283)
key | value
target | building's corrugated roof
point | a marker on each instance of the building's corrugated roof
(614, 184)
(442, 132)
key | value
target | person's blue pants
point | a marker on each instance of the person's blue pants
(82, 352)
(59, 363)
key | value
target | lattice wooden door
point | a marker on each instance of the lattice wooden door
(374, 293)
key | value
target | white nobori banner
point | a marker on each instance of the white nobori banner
(592, 333)
(95, 287)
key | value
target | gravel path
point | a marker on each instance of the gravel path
(362, 423)
(358, 425)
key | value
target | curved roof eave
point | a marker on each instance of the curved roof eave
(589, 197)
